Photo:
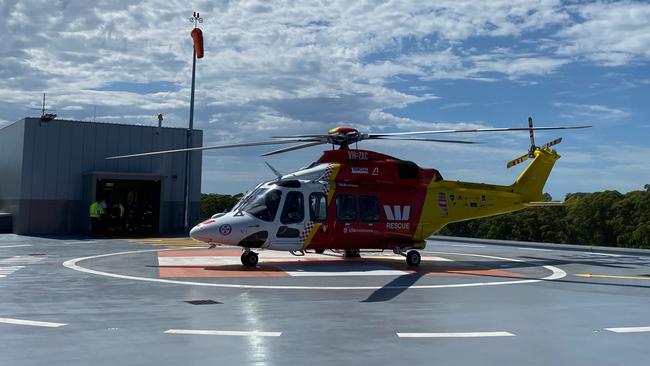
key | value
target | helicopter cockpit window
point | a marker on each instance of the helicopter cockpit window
(346, 207)
(318, 207)
(263, 204)
(294, 208)
(368, 208)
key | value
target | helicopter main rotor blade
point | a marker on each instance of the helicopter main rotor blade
(291, 148)
(423, 139)
(501, 129)
(201, 148)
(315, 136)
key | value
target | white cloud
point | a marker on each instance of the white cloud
(255, 51)
(590, 112)
(73, 108)
(455, 105)
(610, 33)
(293, 67)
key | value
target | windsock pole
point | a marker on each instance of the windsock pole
(188, 155)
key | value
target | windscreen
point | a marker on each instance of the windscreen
(263, 204)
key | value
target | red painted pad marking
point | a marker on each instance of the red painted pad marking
(202, 253)
(221, 271)
(310, 263)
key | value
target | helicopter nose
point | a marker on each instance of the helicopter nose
(201, 232)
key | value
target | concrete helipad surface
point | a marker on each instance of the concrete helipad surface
(156, 301)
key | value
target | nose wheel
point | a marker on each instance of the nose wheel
(249, 258)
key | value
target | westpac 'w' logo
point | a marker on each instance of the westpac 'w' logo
(397, 213)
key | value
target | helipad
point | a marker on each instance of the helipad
(468, 303)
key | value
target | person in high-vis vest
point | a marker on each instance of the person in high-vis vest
(115, 213)
(97, 211)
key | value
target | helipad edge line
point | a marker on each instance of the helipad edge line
(537, 249)
(456, 335)
(557, 273)
(629, 329)
(235, 333)
(32, 323)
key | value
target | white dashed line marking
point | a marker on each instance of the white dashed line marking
(10, 265)
(15, 246)
(605, 254)
(235, 333)
(32, 323)
(468, 245)
(20, 259)
(9, 270)
(538, 249)
(629, 330)
(455, 335)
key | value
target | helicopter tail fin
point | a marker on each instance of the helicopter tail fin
(530, 182)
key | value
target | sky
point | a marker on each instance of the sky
(292, 67)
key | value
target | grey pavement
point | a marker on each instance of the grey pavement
(118, 321)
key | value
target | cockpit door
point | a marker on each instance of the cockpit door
(291, 222)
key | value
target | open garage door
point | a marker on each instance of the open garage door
(132, 206)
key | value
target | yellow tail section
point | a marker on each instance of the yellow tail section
(530, 183)
(451, 201)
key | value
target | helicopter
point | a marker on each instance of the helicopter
(351, 199)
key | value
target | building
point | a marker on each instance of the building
(51, 171)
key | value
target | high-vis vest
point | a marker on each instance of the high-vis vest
(95, 210)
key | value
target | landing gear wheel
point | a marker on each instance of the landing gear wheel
(352, 253)
(319, 251)
(413, 258)
(249, 259)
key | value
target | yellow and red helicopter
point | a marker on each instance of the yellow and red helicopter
(351, 200)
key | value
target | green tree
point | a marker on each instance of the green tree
(212, 203)
(600, 218)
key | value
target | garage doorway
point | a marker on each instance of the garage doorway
(132, 206)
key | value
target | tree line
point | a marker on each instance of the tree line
(606, 218)
(212, 203)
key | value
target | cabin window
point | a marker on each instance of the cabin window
(318, 207)
(263, 204)
(346, 207)
(407, 169)
(368, 208)
(287, 232)
(294, 208)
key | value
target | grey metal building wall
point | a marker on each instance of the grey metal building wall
(11, 147)
(56, 156)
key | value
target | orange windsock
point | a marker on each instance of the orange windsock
(197, 36)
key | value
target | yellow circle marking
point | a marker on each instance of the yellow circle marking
(589, 275)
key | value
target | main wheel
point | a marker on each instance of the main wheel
(250, 259)
(352, 253)
(413, 258)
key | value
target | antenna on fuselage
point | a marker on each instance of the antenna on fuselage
(275, 171)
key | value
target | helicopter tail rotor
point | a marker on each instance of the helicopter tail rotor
(533, 147)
